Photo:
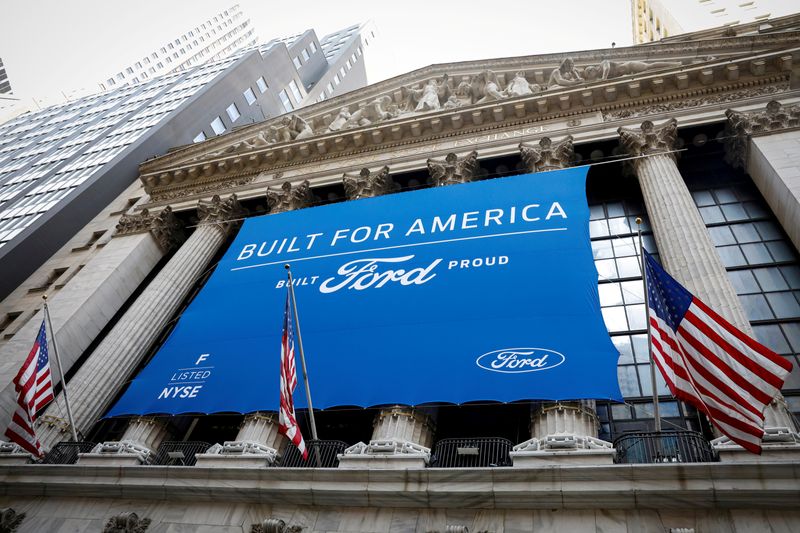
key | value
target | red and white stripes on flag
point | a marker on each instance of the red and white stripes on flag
(287, 422)
(34, 387)
(709, 363)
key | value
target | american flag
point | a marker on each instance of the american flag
(35, 389)
(287, 423)
(709, 363)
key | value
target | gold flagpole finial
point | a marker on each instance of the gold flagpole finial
(638, 221)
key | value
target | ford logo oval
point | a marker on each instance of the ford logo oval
(519, 360)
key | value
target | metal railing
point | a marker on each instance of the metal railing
(66, 453)
(472, 453)
(324, 450)
(179, 453)
(678, 446)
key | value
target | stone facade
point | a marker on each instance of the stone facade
(439, 126)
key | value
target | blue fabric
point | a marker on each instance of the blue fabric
(498, 302)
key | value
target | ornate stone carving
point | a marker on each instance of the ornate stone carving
(166, 229)
(608, 69)
(650, 139)
(290, 128)
(225, 213)
(741, 126)
(274, 525)
(126, 523)
(289, 198)
(430, 98)
(10, 520)
(546, 155)
(367, 184)
(519, 86)
(486, 88)
(202, 188)
(566, 75)
(453, 169)
(693, 102)
(377, 110)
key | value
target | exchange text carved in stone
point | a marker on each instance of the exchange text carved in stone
(164, 226)
(453, 169)
(10, 520)
(367, 184)
(289, 198)
(741, 126)
(126, 523)
(547, 155)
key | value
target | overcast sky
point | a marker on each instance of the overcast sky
(54, 45)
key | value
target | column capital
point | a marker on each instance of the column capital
(741, 126)
(165, 228)
(367, 184)
(650, 139)
(547, 155)
(289, 198)
(453, 169)
(224, 213)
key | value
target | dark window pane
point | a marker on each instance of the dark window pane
(784, 304)
(792, 332)
(756, 210)
(768, 230)
(755, 306)
(711, 215)
(621, 411)
(725, 195)
(721, 235)
(643, 410)
(793, 379)
(780, 251)
(731, 256)
(734, 212)
(743, 281)
(745, 233)
(703, 198)
(669, 409)
(615, 209)
(639, 343)
(792, 275)
(770, 279)
(770, 335)
(596, 212)
(644, 376)
(756, 253)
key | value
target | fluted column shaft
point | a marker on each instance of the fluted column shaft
(403, 424)
(147, 431)
(121, 351)
(684, 245)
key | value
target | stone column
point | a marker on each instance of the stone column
(402, 436)
(258, 442)
(122, 349)
(90, 300)
(560, 431)
(684, 245)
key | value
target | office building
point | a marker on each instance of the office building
(654, 20)
(698, 138)
(218, 37)
(60, 166)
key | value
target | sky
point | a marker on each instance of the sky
(50, 46)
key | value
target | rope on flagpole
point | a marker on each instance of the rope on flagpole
(656, 413)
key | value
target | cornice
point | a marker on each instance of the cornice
(539, 68)
(608, 97)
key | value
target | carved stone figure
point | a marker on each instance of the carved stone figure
(429, 98)
(519, 86)
(486, 88)
(340, 120)
(126, 523)
(453, 169)
(375, 111)
(289, 198)
(546, 155)
(608, 69)
(566, 75)
(291, 128)
(367, 184)
(741, 126)
(274, 525)
(10, 520)
(164, 226)
(452, 102)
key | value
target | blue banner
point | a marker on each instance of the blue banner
(482, 291)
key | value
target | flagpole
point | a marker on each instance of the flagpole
(302, 355)
(647, 320)
(60, 369)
